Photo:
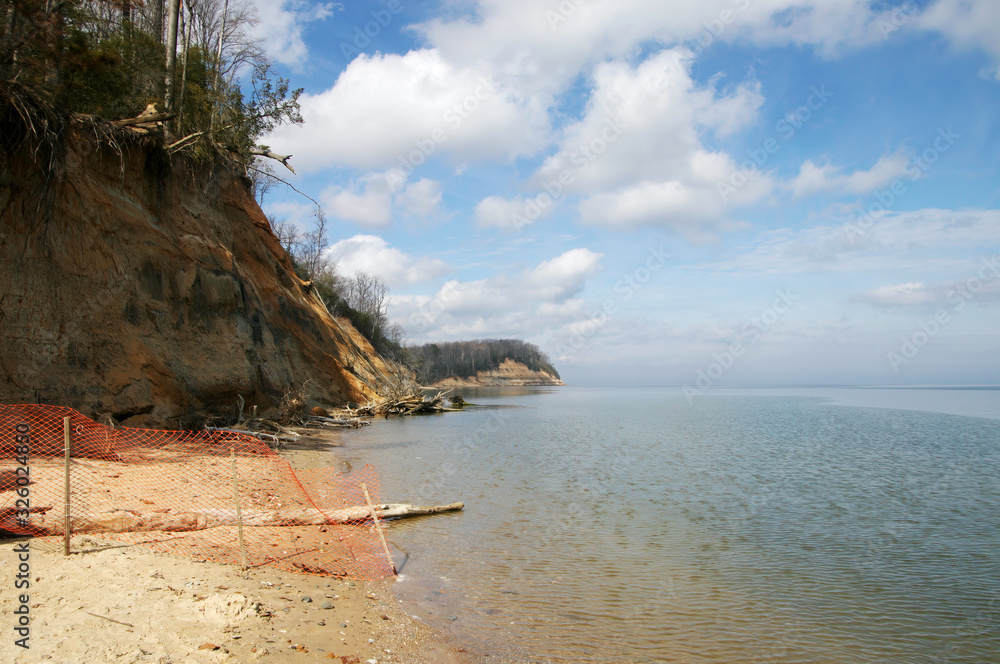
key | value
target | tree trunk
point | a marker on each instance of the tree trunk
(218, 68)
(168, 93)
(157, 28)
(186, 30)
(128, 522)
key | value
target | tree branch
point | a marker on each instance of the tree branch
(143, 119)
(264, 151)
(285, 182)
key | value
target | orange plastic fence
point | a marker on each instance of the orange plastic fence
(167, 490)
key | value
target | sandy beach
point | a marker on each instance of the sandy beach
(115, 602)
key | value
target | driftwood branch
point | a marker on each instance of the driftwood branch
(122, 521)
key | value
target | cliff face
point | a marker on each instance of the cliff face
(508, 373)
(153, 292)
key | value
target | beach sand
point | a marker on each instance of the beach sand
(177, 609)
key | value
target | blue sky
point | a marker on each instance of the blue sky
(701, 193)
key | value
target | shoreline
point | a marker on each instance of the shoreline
(111, 601)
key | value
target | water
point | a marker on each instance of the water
(629, 525)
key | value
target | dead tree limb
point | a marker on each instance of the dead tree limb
(264, 151)
(43, 522)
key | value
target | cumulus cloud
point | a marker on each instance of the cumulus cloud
(638, 153)
(281, 25)
(526, 304)
(367, 202)
(373, 199)
(813, 178)
(372, 254)
(420, 199)
(385, 108)
(511, 213)
(389, 110)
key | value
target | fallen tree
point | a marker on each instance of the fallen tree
(128, 521)
(407, 404)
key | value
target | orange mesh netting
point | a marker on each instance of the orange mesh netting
(173, 491)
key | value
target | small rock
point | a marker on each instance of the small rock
(307, 599)
(385, 617)
(327, 604)
(208, 646)
(344, 625)
(453, 618)
(350, 659)
(286, 609)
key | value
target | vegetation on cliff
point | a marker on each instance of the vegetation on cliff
(113, 58)
(434, 362)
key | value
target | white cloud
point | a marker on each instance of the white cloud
(529, 304)
(372, 199)
(563, 276)
(511, 213)
(981, 285)
(967, 24)
(281, 25)
(915, 240)
(367, 203)
(399, 110)
(385, 108)
(547, 44)
(827, 178)
(638, 152)
(372, 254)
(898, 294)
(420, 199)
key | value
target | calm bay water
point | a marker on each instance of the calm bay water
(631, 525)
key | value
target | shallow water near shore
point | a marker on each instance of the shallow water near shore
(634, 525)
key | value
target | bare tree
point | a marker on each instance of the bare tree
(368, 294)
(287, 233)
(225, 27)
(262, 179)
(313, 244)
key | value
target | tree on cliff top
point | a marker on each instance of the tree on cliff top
(108, 58)
(433, 362)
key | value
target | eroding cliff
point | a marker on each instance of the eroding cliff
(154, 290)
(508, 373)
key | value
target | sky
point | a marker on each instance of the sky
(663, 192)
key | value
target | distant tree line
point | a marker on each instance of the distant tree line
(433, 362)
(111, 58)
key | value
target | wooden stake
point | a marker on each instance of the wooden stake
(67, 435)
(239, 514)
(378, 527)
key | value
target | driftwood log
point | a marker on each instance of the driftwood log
(126, 521)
